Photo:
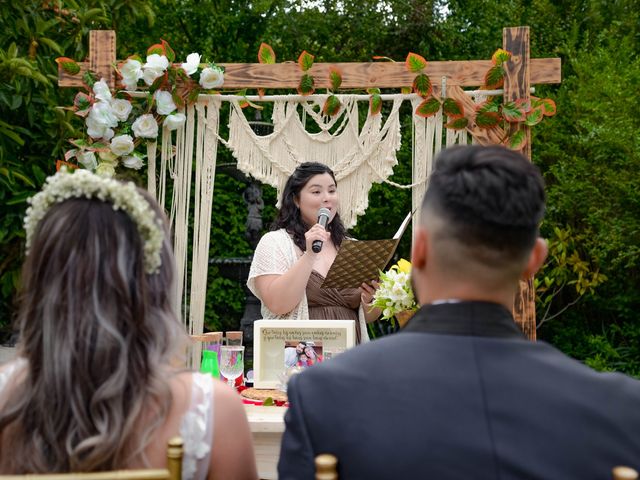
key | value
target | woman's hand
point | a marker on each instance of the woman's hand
(367, 292)
(317, 232)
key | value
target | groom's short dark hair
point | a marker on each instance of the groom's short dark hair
(489, 197)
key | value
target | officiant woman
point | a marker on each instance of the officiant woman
(286, 274)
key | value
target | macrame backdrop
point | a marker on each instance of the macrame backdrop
(359, 156)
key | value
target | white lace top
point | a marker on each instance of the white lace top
(196, 426)
(275, 255)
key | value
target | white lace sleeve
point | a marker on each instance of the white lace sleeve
(273, 255)
(196, 429)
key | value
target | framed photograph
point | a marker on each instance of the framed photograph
(281, 344)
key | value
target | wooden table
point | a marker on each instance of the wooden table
(267, 426)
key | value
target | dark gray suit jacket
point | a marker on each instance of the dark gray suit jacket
(461, 394)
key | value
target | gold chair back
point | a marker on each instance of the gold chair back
(172, 472)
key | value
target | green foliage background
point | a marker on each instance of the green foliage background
(589, 152)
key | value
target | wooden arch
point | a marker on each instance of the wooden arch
(521, 73)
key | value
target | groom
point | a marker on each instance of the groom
(459, 392)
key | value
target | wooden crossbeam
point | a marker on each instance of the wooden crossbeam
(102, 47)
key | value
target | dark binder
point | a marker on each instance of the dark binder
(361, 260)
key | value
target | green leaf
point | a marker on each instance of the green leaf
(89, 78)
(68, 65)
(487, 119)
(453, 108)
(457, 123)
(157, 48)
(335, 76)
(415, 63)
(331, 106)
(268, 402)
(405, 90)
(489, 106)
(82, 101)
(171, 55)
(375, 104)
(517, 140)
(52, 45)
(534, 117)
(305, 60)
(306, 85)
(428, 107)
(494, 78)
(511, 112)
(422, 85)
(549, 107)
(373, 91)
(500, 56)
(266, 54)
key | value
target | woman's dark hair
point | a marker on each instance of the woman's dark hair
(289, 215)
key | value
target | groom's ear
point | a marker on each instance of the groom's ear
(536, 258)
(419, 249)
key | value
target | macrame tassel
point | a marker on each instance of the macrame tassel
(151, 168)
(206, 150)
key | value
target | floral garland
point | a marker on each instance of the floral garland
(124, 196)
(118, 126)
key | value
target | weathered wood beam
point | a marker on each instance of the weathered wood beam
(517, 83)
(354, 75)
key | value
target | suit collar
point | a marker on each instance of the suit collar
(479, 319)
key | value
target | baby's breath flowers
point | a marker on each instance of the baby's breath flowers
(123, 196)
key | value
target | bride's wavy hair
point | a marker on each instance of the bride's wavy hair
(289, 216)
(97, 333)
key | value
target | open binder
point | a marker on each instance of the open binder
(361, 260)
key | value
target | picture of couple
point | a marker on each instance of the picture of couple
(302, 353)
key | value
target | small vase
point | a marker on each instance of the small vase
(403, 317)
(210, 363)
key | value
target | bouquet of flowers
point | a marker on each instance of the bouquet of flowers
(394, 296)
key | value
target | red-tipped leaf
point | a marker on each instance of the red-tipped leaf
(452, 108)
(69, 65)
(375, 104)
(157, 48)
(171, 55)
(487, 119)
(422, 85)
(428, 107)
(331, 106)
(549, 107)
(266, 54)
(494, 78)
(335, 77)
(500, 56)
(62, 163)
(458, 123)
(306, 85)
(517, 140)
(415, 63)
(305, 60)
(534, 117)
(512, 112)
(82, 102)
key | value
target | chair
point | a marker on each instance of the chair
(326, 467)
(172, 472)
(624, 473)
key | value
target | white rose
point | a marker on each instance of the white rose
(101, 91)
(154, 68)
(133, 162)
(145, 126)
(122, 145)
(175, 121)
(95, 129)
(131, 72)
(192, 63)
(106, 169)
(88, 160)
(211, 77)
(164, 102)
(121, 109)
(102, 114)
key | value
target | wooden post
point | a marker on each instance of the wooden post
(102, 55)
(517, 84)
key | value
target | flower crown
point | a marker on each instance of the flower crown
(124, 196)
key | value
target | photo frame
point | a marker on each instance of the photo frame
(280, 344)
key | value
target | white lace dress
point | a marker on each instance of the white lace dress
(195, 427)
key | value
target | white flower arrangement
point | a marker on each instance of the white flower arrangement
(121, 125)
(124, 196)
(394, 294)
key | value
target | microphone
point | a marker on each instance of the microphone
(323, 219)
